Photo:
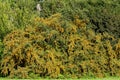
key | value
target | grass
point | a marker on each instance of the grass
(107, 78)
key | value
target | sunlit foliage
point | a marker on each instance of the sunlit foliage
(54, 46)
(15, 14)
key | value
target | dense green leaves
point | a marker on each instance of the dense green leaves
(15, 14)
(103, 14)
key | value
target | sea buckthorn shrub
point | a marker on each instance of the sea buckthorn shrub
(1, 48)
(56, 48)
(1, 52)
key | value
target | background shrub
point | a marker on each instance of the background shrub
(103, 15)
(15, 14)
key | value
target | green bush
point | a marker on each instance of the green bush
(102, 14)
(5, 24)
(67, 8)
(104, 17)
(15, 14)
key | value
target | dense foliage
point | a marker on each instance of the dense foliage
(15, 14)
(67, 39)
(54, 46)
(103, 15)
